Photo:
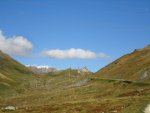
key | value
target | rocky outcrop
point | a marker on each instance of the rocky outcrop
(147, 109)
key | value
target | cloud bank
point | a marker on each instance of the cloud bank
(74, 54)
(16, 45)
(21, 46)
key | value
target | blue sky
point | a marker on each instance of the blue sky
(111, 27)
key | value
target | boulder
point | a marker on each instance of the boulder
(9, 108)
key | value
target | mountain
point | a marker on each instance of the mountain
(41, 69)
(133, 66)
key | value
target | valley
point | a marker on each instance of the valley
(68, 91)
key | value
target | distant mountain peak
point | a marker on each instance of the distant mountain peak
(41, 68)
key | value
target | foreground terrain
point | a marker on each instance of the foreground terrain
(63, 94)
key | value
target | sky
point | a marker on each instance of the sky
(73, 33)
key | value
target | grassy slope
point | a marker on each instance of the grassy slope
(12, 73)
(134, 66)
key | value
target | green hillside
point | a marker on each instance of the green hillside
(12, 73)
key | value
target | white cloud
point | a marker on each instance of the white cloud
(16, 45)
(74, 54)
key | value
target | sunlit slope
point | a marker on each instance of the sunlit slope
(133, 66)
